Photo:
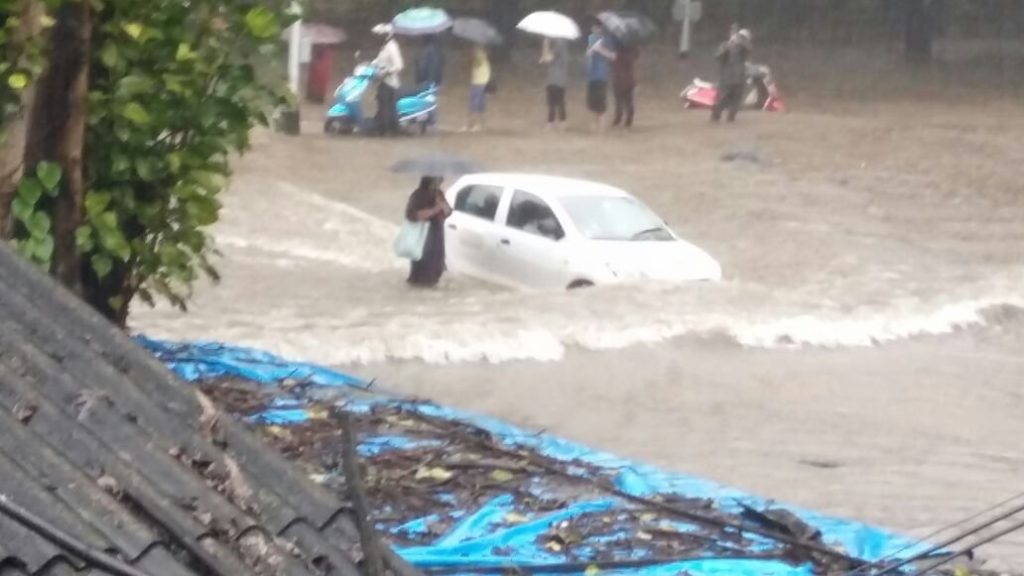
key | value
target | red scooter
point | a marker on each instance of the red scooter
(762, 93)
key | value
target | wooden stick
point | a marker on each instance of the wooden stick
(373, 560)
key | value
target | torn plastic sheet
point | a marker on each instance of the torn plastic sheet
(482, 537)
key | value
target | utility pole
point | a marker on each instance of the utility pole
(290, 119)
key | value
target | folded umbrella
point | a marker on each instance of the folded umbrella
(551, 25)
(628, 27)
(477, 31)
(421, 22)
(435, 164)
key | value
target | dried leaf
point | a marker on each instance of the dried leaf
(641, 535)
(438, 474)
(648, 517)
(592, 570)
(515, 518)
(278, 431)
(554, 546)
(108, 484)
(502, 475)
(318, 412)
(24, 411)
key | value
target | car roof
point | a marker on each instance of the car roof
(550, 186)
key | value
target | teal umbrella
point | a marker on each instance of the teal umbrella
(421, 22)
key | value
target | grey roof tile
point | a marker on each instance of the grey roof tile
(100, 440)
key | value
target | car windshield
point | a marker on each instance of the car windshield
(619, 218)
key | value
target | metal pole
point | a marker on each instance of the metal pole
(294, 51)
(684, 33)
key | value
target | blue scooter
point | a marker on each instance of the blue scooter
(415, 106)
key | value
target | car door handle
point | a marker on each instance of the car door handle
(453, 227)
(505, 241)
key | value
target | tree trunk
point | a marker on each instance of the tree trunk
(57, 131)
(919, 31)
(12, 147)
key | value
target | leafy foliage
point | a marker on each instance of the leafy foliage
(36, 242)
(23, 57)
(175, 92)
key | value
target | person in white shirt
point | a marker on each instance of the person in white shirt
(389, 61)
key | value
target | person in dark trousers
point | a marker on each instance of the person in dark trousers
(556, 57)
(428, 204)
(390, 62)
(430, 62)
(599, 56)
(732, 59)
(624, 83)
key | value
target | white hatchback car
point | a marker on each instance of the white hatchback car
(544, 232)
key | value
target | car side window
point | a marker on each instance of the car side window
(479, 201)
(531, 214)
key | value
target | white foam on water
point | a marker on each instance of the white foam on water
(341, 300)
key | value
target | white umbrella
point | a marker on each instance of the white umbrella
(550, 24)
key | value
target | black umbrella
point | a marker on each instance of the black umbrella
(477, 31)
(628, 27)
(435, 164)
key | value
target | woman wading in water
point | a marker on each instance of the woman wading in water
(428, 204)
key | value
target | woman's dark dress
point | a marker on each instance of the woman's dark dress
(428, 270)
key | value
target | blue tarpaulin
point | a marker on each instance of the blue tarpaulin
(482, 537)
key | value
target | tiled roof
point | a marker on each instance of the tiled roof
(99, 441)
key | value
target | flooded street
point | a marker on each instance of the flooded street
(863, 355)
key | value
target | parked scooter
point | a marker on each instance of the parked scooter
(415, 106)
(762, 92)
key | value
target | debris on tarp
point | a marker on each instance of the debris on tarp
(461, 494)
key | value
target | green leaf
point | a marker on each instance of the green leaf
(109, 55)
(96, 203)
(49, 174)
(111, 237)
(30, 190)
(133, 29)
(21, 209)
(146, 169)
(133, 85)
(83, 239)
(101, 265)
(18, 81)
(262, 23)
(205, 210)
(184, 53)
(119, 163)
(134, 112)
(38, 224)
(42, 249)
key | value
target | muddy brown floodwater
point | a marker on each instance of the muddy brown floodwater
(863, 356)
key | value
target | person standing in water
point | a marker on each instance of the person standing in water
(556, 56)
(624, 83)
(479, 78)
(599, 55)
(389, 61)
(732, 82)
(428, 204)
